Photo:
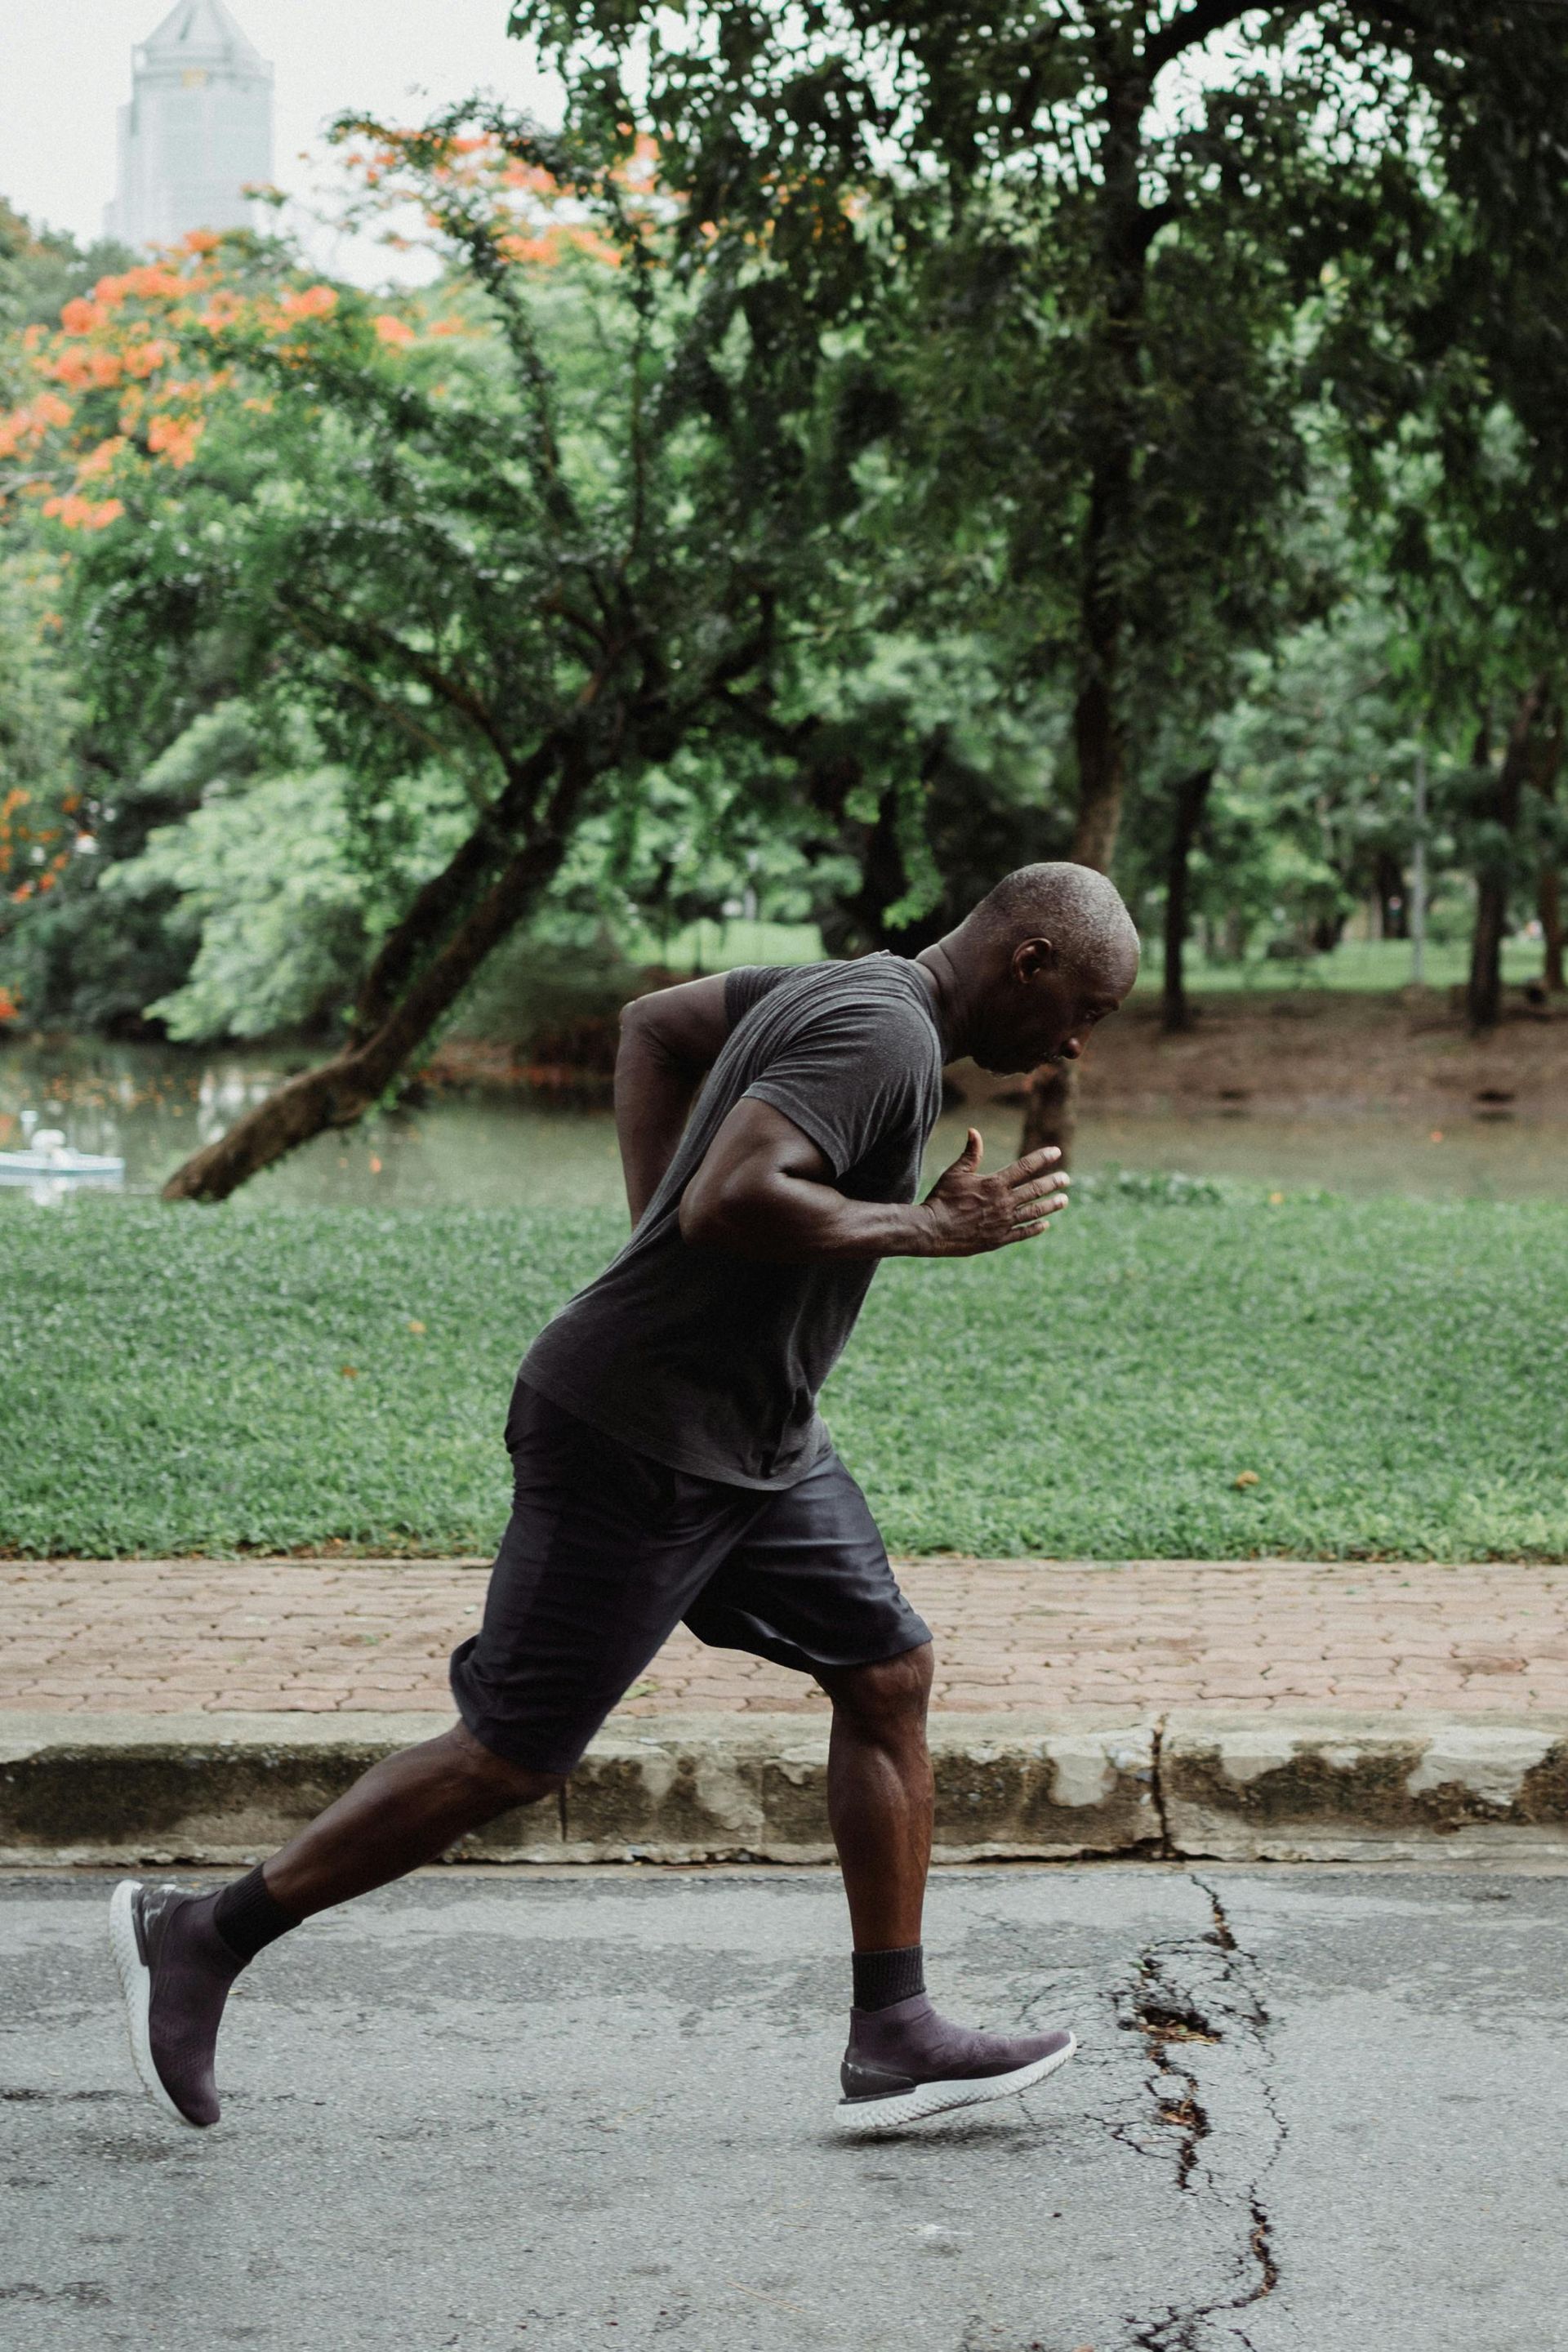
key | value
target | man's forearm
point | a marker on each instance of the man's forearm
(765, 1190)
(654, 1093)
(669, 1041)
(793, 1221)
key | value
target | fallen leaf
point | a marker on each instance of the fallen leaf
(1246, 1479)
(349, 1371)
(375, 1165)
(418, 1328)
(1276, 1200)
(1436, 1135)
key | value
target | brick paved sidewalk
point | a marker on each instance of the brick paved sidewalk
(335, 1636)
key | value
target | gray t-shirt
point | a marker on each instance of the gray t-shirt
(711, 1362)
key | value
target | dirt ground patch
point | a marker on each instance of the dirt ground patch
(1324, 1052)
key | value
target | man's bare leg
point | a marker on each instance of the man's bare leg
(904, 2062)
(406, 1810)
(178, 1953)
(880, 1795)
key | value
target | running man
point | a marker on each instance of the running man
(671, 1465)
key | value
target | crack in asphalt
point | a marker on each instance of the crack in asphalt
(1189, 1991)
(1157, 1787)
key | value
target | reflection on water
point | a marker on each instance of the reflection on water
(1356, 1152)
(154, 1107)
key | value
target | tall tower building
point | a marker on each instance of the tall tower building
(197, 129)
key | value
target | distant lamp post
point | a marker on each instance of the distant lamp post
(1418, 877)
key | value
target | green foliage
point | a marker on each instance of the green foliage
(265, 878)
(1076, 256)
(43, 786)
(550, 534)
(1314, 793)
(178, 1382)
(39, 717)
(266, 883)
(958, 369)
(1123, 290)
(87, 953)
(1167, 1187)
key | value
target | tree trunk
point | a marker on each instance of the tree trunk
(1549, 879)
(1483, 996)
(1190, 799)
(1548, 902)
(438, 901)
(1100, 737)
(1126, 227)
(1050, 1109)
(1393, 902)
(1100, 742)
(340, 1091)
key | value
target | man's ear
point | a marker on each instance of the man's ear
(1031, 956)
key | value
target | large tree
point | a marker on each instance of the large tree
(534, 532)
(1070, 242)
(1445, 362)
(1086, 250)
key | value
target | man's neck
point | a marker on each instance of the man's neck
(941, 976)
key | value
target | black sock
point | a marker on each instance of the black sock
(248, 1916)
(883, 1978)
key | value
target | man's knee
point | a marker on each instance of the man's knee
(886, 1698)
(495, 1778)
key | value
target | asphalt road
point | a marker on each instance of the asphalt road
(1314, 2109)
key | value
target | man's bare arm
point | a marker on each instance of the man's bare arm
(764, 1191)
(669, 1042)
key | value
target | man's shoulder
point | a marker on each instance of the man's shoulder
(871, 1016)
(880, 985)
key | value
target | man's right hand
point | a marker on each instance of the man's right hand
(966, 1213)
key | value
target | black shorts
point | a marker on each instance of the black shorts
(606, 1552)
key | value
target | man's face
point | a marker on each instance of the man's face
(1042, 1008)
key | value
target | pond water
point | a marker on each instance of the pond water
(152, 1106)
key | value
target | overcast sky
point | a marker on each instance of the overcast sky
(64, 69)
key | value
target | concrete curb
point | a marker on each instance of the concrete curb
(1199, 1782)
(1323, 1785)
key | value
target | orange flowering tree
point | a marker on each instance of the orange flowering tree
(540, 525)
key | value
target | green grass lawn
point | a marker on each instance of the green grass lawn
(1361, 966)
(1395, 1373)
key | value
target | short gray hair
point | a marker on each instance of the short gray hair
(1075, 907)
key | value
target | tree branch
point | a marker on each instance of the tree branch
(363, 637)
(1152, 218)
(1185, 31)
(429, 743)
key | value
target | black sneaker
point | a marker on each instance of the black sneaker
(175, 1971)
(905, 2063)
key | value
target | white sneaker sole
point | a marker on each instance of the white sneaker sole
(938, 2098)
(136, 1984)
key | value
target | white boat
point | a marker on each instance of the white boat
(49, 1156)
